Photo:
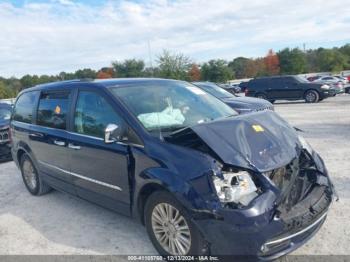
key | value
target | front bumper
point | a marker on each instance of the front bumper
(5, 151)
(260, 231)
(329, 92)
(5, 145)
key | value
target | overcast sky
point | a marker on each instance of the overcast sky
(47, 37)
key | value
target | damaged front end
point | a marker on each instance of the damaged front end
(273, 190)
(305, 195)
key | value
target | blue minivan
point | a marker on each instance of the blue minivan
(200, 177)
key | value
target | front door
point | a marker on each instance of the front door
(293, 88)
(276, 89)
(99, 170)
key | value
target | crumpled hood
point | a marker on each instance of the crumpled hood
(260, 141)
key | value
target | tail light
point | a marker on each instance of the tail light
(246, 91)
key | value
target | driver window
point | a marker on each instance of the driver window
(93, 114)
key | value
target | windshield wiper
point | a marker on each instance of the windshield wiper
(167, 128)
(179, 130)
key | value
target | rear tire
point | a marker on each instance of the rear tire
(170, 227)
(312, 96)
(31, 178)
(261, 96)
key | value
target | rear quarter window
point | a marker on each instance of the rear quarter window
(258, 83)
(24, 107)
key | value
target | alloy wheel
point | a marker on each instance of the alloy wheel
(29, 175)
(310, 97)
(171, 229)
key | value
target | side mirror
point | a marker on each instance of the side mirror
(112, 133)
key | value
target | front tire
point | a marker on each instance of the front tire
(31, 178)
(170, 228)
(312, 96)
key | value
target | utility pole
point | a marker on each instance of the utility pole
(150, 57)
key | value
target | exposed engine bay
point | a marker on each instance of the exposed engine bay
(304, 194)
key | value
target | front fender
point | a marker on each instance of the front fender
(186, 192)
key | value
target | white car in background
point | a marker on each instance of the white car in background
(334, 82)
(344, 80)
(328, 80)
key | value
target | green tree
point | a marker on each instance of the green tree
(239, 67)
(129, 68)
(66, 76)
(173, 65)
(311, 57)
(331, 60)
(85, 73)
(216, 71)
(5, 91)
(345, 50)
(292, 61)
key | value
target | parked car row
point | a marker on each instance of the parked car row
(5, 147)
(337, 82)
(202, 178)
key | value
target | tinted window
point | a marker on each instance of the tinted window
(53, 109)
(258, 83)
(93, 114)
(23, 111)
(277, 81)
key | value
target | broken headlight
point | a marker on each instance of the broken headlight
(235, 187)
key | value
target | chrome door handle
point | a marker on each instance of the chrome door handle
(59, 143)
(72, 146)
(36, 135)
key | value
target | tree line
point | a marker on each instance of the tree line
(179, 66)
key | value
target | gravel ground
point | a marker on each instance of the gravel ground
(60, 224)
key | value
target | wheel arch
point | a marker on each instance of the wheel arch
(143, 195)
(311, 89)
(21, 149)
(257, 93)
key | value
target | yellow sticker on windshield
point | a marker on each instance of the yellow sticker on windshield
(57, 110)
(258, 128)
